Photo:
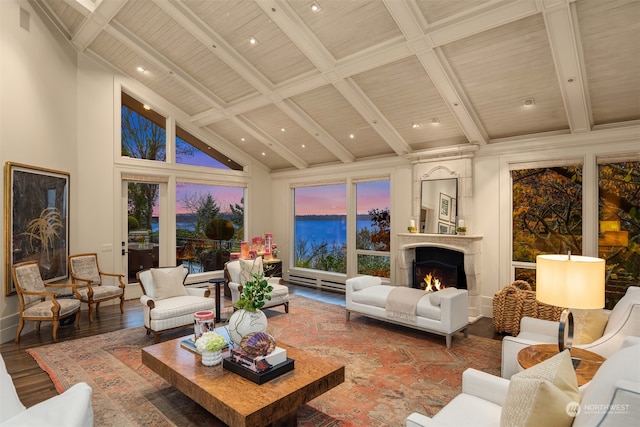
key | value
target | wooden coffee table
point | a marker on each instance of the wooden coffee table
(237, 401)
(587, 362)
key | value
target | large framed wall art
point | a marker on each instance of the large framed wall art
(36, 220)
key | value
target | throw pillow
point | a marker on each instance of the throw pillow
(168, 282)
(249, 267)
(588, 325)
(362, 282)
(544, 394)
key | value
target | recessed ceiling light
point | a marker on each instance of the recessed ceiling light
(303, 146)
(140, 69)
(415, 125)
(146, 106)
(528, 102)
(253, 40)
(315, 8)
(283, 130)
(264, 154)
(243, 139)
(352, 135)
(435, 121)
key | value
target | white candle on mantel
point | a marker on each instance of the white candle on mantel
(461, 223)
(412, 223)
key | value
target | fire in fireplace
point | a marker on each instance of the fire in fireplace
(437, 268)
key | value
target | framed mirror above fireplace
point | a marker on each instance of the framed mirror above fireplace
(438, 206)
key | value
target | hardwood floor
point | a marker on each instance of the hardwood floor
(34, 385)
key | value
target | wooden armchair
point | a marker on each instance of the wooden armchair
(86, 273)
(39, 304)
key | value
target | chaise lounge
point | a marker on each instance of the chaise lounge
(444, 312)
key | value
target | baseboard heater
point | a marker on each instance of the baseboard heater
(317, 283)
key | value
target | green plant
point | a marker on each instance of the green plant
(255, 293)
(461, 229)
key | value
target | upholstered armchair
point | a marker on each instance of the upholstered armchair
(608, 331)
(92, 287)
(40, 304)
(167, 303)
(69, 409)
(611, 398)
(239, 271)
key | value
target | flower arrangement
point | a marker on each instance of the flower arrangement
(462, 229)
(254, 293)
(210, 341)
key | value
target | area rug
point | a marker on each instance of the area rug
(391, 371)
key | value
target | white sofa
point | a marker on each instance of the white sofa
(612, 398)
(444, 312)
(623, 321)
(69, 409)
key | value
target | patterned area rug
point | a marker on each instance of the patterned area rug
(391, 371)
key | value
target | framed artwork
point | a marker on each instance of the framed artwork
(453, 210)
(444, 211)
(443, 228)
(36, 221)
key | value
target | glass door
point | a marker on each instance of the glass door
(143, 231)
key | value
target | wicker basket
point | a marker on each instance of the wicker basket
(516, 301)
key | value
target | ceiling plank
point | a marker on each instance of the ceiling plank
(314, 129)
(563, 39)
(440, 74)
(96, 22)
(148, 52)
(269, 142)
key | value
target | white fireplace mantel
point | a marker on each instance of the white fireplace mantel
(470, 246)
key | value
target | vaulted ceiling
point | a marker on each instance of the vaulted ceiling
(360, 79)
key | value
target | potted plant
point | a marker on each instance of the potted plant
(254, 293)
(461, 230)
(248, 317)
(210, 345)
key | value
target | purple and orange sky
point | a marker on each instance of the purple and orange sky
(332, 199)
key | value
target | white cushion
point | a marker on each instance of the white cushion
(621, 309)
(69, 409)
(436, 297)
(541, 394)
(167, 282)
(249, 267)
(177, 306)
(588, 325)
(362, 282)
(602, 392)
(466, 410)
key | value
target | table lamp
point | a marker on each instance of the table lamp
(571, 282)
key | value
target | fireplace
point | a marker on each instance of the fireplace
(436, 268)
(468, 246)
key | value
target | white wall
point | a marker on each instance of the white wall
(59, 111)
(38, 113)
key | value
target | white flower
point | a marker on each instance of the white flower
(210, 341)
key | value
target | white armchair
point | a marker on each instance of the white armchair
(69, 409)
(611, 398)
(234, 271)
(623, 321)
(167, 303)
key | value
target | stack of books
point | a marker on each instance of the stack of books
(258, 369)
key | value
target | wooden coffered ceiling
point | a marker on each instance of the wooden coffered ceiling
(362, 79)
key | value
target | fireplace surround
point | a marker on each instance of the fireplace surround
(469, 246)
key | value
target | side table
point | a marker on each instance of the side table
(585, 362)
(218, 282)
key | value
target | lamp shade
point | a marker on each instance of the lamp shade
(570, 281)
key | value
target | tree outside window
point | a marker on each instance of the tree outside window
(619, 226)
(547, 214)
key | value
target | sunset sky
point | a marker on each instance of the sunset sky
(318, 200)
